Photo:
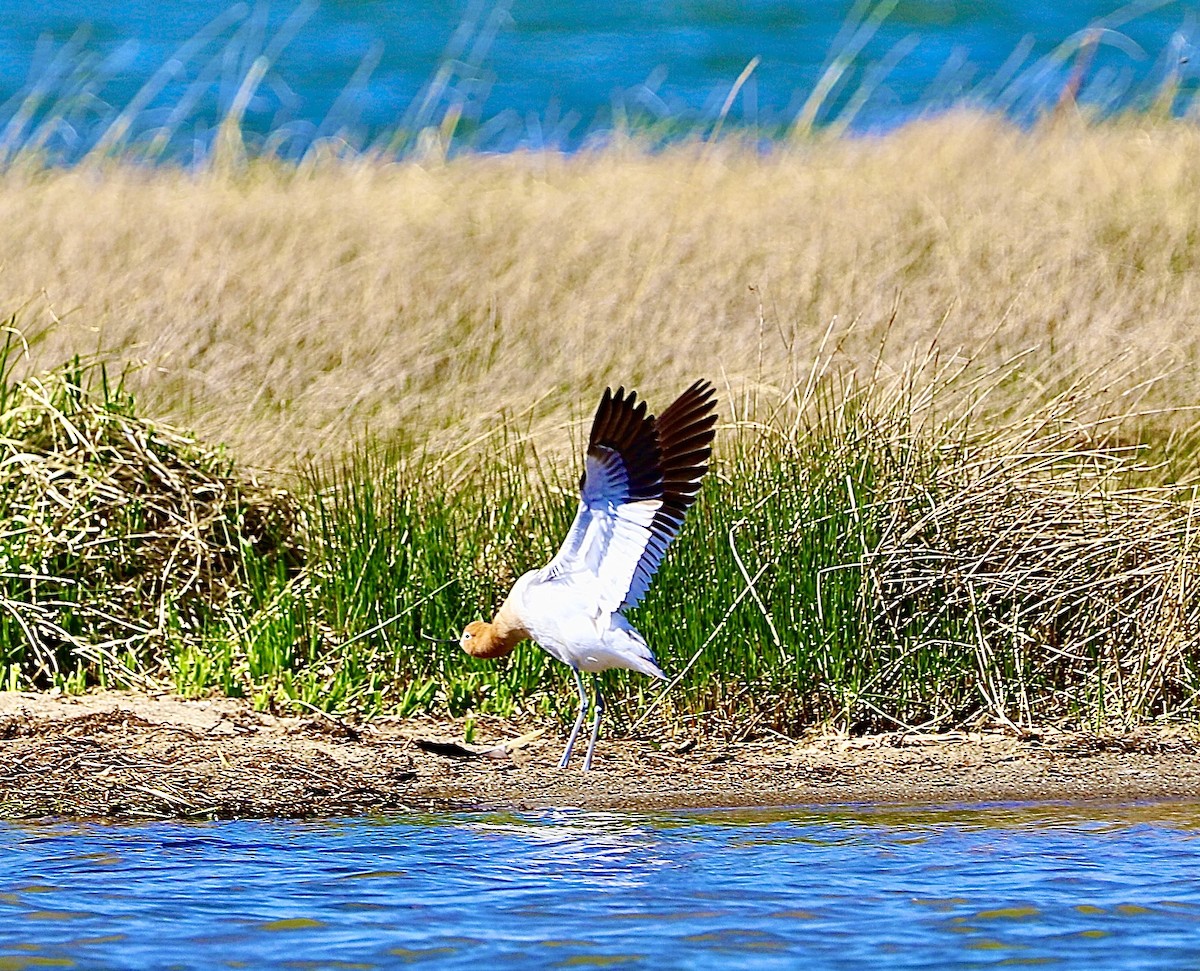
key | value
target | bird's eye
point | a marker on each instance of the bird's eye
(466, 635)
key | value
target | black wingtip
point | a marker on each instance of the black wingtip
(665, 457)
(622, 425)
(685, 435)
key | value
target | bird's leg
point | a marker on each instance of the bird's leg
(583, 707)
(597, 712)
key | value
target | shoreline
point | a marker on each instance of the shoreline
(127, 756)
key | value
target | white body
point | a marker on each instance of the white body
(564, 616)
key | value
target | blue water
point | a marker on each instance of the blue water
(537, 73)
(826, 888)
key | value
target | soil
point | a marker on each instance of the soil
(118, 755)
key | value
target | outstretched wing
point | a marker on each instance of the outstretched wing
(685, 434)
(640, 477)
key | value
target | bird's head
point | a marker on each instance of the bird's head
(480, 639)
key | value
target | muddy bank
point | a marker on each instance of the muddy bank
(120, 755)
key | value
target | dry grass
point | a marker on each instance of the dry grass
(285, 312)
(912, 555)
(1032, 555)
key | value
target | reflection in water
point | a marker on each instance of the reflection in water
(846, 887)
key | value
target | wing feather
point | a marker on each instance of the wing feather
(685, 433)
(640, 476)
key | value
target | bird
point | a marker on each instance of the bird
(641, 475)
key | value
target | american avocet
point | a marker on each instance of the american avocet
(641, 474)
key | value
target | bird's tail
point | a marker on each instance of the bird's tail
(635, 653)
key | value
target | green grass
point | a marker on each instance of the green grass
(865, 555)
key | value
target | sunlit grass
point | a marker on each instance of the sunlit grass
(290, 313)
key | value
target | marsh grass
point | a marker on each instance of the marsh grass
(1000, 529)
(868, 553)
(290, 312)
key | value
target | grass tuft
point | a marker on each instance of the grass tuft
(119, 536)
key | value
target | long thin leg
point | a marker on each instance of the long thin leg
(583, 707)
(597, 713)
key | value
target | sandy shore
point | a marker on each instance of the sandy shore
(119, 755)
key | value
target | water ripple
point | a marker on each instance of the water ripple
(834, 888)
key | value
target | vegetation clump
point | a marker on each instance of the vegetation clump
(1043, 565)
(118, 535)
